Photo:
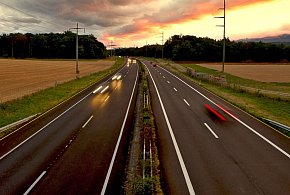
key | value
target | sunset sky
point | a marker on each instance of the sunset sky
(134, 22)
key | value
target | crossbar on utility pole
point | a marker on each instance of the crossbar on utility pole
(224, 34)
(111, 45)
(77, 47)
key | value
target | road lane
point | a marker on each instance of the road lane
(238, 162)
(91, 121)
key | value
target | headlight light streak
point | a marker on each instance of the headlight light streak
(98, 89)
(104, 89)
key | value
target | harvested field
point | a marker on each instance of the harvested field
(23, 77)
(260, 72)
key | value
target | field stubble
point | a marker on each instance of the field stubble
(23, 77)
(265, 72)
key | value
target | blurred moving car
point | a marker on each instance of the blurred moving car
(102, 88)
(117, 76)
(215, 112)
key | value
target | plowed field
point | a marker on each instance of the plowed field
(23, 77)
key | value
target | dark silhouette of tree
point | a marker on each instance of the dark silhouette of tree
(52, 45)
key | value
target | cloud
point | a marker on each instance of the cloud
(117, 18)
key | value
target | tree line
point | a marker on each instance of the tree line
(192, 48)
(50, 45)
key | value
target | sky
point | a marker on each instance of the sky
(134, 23)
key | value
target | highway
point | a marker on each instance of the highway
(202, 154)
(79, 148)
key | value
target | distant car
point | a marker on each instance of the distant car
(117, 76)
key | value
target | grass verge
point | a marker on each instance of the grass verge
(44, 100)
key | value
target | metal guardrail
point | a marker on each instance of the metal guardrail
(274, 123)
(17, 123)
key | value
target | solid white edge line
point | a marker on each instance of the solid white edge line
(241, 122)
(13, 149)
(179, 156)
(186, 102)
(87, 121)
(119, 140)
(214, 134)
(34, 183)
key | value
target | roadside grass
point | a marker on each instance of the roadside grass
(272, 86)
(256, 104)
(44, 100)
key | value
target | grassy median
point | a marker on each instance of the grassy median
(44, 100)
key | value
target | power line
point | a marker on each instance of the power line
(30, 15)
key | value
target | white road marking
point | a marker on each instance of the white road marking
(43, 128)
(241, 122)
(34, 183)
(164, 77)
(175, 89)
(186, 102)
(179, 156)
(214, 134)
(87, 121)
(118, 142)
(168, 82)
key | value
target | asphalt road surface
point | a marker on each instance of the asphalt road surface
(78, 151)
(202, 153)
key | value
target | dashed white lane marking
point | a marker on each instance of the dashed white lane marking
(237, 119)
(208, 127)
(175, 89)
(34, 183)
(178, 153)
(87, 121)
(186, 102)
(119, 140)
(168, 82)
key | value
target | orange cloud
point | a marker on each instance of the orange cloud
(176, 12)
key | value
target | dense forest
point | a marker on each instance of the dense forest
(184, 48)
(178, 48)
(50, 45)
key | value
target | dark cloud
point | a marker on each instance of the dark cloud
(115, 17)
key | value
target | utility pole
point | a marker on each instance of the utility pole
(224, 34)
(111, 45)
(146, 48)
(162, 42)
(77, 47)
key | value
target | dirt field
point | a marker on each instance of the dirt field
(260, 72)
(22, 77)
